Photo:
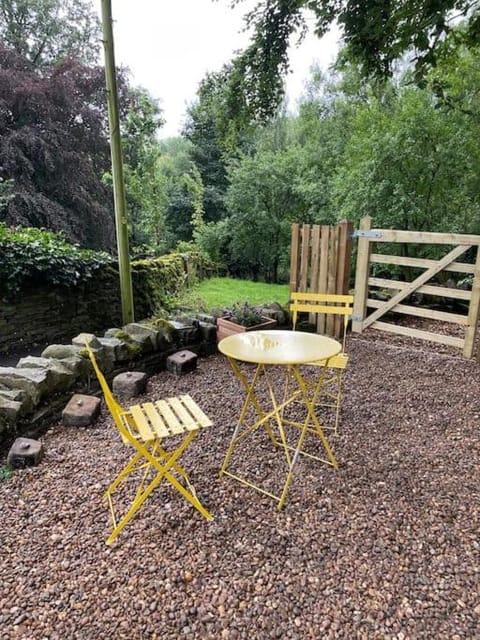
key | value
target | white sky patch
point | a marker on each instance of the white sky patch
(170, 46)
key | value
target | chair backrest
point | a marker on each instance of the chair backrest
(115, 409)
(326, 303)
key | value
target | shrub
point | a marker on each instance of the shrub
(31, 256)
(245, 314)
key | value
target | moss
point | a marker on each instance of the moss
(122, 335)
(156, 281)
(161, 324)
(134, 349)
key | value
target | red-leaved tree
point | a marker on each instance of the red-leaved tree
(54, 149)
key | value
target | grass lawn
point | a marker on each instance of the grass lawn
(224, 292)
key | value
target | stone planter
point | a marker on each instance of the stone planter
(225, 327)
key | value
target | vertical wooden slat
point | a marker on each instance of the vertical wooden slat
(473, 311)
(315, 257)
(332, 274)
(304, 257)
(361, 277)
(343, 268)
(315, 263)
(294, 257)
(323, 272)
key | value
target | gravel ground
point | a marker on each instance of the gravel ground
(387, 547)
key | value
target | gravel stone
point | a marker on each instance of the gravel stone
(387, 547)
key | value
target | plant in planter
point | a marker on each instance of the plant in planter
(240, 318)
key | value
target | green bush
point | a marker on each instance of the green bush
(31, 256)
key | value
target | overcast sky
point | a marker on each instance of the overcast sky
(170, 46)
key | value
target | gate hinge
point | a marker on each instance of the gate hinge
(371, 233)
(357, 318)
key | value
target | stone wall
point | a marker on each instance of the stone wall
(35, 391)
(40, 316)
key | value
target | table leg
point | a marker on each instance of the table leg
(251, 398)
(309, 403)
(311, 423)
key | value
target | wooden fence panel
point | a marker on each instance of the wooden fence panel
(320, 263)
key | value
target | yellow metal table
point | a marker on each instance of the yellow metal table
(287, 349)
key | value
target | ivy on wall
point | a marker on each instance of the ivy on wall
(30, 256)
(50, 290)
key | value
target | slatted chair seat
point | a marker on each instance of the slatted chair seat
(163, 418)
(327, 304)
(145, 427)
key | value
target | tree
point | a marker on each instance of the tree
(184, 190)
(144, 183)
(49, 31)
(375, 33)
(203, 129)
(262, 204)
(216, 135)
(54, 149)
(411, 165)
(321, 133)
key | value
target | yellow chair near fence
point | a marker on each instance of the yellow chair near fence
(329, 304)
(145, 427)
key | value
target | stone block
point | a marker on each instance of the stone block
(91, 338)
(208, 331)
(61, 351)
(25, 453)
(130, 384)
(116, 349)
(33, 381)
(112, 333)
(184, 334)
(59, 378)
(10, 410)
(81, 411)
(77, 365)
(14, 403)
(146, 337)
(182, 362)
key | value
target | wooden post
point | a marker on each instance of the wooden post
(361, 277)
(344, 266)
(304, 257)
(473, 311)
(323, 272)
(315, 263)
(126, 290)
(294, 257)
(332, 273)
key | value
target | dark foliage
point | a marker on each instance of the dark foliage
(54, 147)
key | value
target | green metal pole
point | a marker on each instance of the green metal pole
(126, 290)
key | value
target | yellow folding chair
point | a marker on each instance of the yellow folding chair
(329, 304)
(145, 427)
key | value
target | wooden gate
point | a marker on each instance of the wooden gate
(402, 290)
(320, 261)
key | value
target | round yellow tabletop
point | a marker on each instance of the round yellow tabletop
(279, 347)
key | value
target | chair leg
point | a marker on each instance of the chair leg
(126, 471)
(161, 460)
(136, 504)
(338, 402)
